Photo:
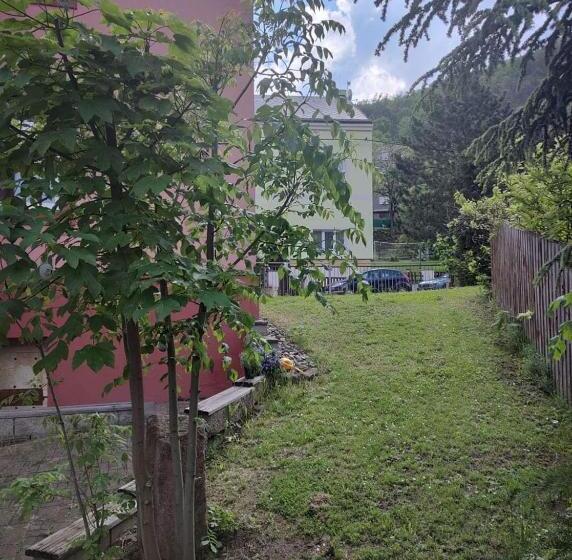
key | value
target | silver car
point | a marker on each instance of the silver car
(438, 283)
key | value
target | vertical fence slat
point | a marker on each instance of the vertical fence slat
(516, 257)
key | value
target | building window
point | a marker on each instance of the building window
(328, 239)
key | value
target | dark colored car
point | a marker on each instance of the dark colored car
(380, 280)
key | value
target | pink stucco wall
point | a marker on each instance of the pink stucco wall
(83, 386)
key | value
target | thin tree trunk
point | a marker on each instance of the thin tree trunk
(143, 482)
(71, 464)
(132, 345)
(189, 549)
(189, 546)
(178, 485)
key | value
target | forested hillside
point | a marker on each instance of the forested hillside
(392, 115)
(428, 132)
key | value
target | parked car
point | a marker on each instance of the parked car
(438, 283)
(379, 279)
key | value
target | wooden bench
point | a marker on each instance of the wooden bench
(226, 406)
(66, 543)
(223, 399)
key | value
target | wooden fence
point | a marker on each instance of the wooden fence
(517, 256)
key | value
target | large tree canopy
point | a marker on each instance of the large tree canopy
(492, 35)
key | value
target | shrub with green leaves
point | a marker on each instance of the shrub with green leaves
(100, 452)
(539, 195)
(465, 249)
(221, 523)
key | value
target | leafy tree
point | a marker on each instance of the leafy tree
(465, 248)
(435, 165)
(490, 34)
(118, 210)
(391, 116)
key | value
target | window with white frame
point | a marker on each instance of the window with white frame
(328, 239)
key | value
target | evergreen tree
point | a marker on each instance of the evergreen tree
(436, 165)
(492, 33)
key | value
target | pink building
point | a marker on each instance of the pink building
(82, 386)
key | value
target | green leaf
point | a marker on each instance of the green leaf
(65, 137)
(165, 306)
(112, 13)
(215, 299)
(152, 183)
(155, 105)
(51, 360)
(96, 356)
(21, 271)
(97, 107)
(10, 311)
(75, 254)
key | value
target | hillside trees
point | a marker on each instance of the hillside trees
(126, 183)
(435, 164)
(490, 34)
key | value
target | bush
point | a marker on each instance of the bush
(221, 523)
(539, 198)
(511, 331)
(465, 249)
(537, 369)
(513, 337)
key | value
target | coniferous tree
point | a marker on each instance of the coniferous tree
(493, 34)
(436, 165)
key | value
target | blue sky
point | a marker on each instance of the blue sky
(354, 58)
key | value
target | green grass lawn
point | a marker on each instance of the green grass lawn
(421, 442)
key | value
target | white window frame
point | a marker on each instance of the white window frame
(335, 237)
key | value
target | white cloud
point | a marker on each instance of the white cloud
(344, 45)
(373, 80)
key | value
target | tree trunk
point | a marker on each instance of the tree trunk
(143, 481)
(71, 464)
(189, 549)
(178, 485)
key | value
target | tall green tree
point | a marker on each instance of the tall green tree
(492, 34)
(435, 164)
(127, 184)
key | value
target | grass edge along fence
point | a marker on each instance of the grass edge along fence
(516, 258)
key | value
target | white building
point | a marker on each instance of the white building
(360, 129)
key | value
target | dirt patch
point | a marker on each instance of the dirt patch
(276, 540)
(23, 460)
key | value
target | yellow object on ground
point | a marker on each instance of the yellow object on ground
(286, 364)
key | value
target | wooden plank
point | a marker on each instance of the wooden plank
(68, 541)
(39, 411)
(128, 488)
(223, 399)
(243, 382)
(516, 258)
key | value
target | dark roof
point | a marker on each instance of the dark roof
(312, 104)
